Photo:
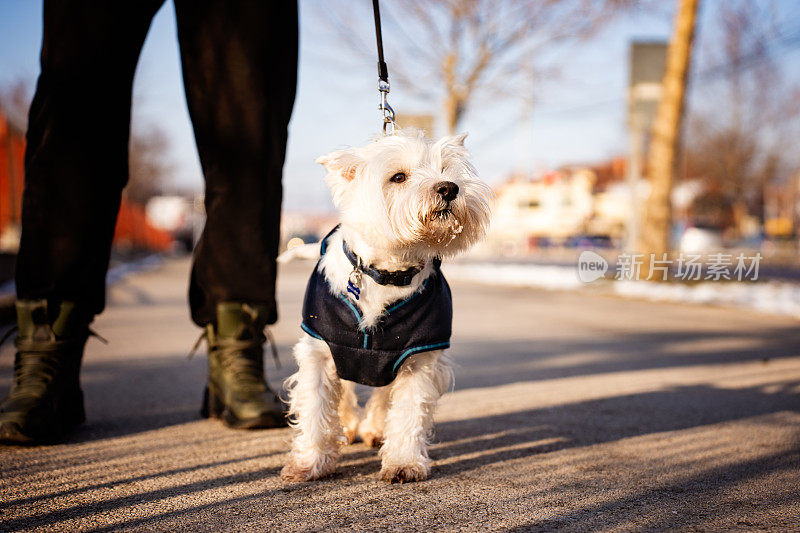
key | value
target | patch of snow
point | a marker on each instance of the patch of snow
(771, 297)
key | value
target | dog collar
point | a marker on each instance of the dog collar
(398, 278)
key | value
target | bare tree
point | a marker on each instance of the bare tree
(14, 103)
(472, 48)
(148, 163)
(742, 132)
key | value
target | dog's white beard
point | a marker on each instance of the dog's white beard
(442, 229)
(445, 226)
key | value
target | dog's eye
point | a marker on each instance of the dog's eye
(398, 178)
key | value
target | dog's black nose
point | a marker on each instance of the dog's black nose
(447, 189)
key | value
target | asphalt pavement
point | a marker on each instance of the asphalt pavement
(571, 411)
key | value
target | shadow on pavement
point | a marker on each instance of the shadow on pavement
(692, 496)
(603, 420)
(124, 397)
(127, 397)
(136, 479)
(78, 511)
(488, 364)
(465, 445)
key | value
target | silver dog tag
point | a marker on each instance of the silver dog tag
(354, 283)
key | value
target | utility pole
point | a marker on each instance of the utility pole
(655, 231)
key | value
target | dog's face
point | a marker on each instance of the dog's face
(412, 196)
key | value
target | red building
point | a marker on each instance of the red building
(132, 230)
(12, 153)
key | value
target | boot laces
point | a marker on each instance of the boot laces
(37, 362)
(34, 372)
(242, 345)
(243, 359)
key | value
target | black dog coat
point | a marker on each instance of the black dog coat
(420, 323)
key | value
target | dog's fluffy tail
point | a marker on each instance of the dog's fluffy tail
(304, 251)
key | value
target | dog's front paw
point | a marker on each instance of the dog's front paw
(404, 473)
(296, 472)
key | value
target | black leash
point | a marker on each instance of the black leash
(383, 74)
(383, 70)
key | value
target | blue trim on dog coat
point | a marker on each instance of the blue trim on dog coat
(420, 323)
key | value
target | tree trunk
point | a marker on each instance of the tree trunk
(655, 231)
(453, 109)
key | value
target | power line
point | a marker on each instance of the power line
(744, 62)
(752, 58)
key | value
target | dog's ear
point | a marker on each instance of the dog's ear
(458, 140)
(452, 141)
(452, 145)
(343, 162)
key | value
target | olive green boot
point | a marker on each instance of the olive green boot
(45, 400)
(237, 391)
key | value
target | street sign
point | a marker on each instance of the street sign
(647, 62)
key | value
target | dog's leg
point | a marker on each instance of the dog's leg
(371, 428)
(314, 392)
(348, 410)
(409, 421)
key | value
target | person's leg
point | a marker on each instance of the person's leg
(76, 164)
(240, 74)
(76, 161)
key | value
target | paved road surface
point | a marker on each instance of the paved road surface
(571, 411)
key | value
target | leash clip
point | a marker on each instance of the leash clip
(385, 108)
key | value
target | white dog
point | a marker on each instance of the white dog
(377, 308)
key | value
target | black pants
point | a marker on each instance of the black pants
(240, 73)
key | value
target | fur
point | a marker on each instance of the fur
(391, 226)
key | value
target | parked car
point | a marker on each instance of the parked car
(697, 239)
(589, 241)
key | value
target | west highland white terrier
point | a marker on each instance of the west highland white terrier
(377, 309)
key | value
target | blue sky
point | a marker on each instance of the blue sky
(336, 106)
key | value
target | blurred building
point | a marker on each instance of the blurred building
(133, 229)
(555, 206)
(589, 202)
(12, 154)
(300, 227)
(180, 215)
